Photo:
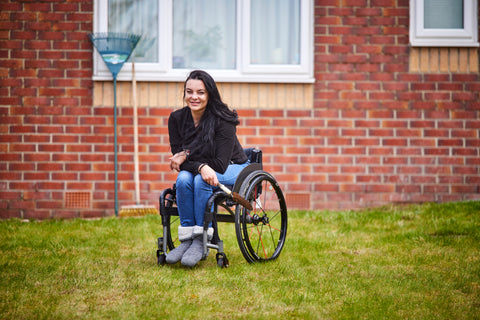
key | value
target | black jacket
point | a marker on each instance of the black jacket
(227, 147)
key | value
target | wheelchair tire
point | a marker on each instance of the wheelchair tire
(261, 232)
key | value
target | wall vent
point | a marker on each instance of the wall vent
(77, 200)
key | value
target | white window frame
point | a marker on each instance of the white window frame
(422, 37)
(244, 72)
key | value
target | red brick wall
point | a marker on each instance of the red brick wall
(378, 134)
(386, 135)
(45, 104)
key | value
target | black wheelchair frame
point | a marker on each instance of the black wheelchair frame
(260, 232)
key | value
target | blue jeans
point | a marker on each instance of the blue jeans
(193, 193)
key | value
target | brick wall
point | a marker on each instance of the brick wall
(45, 105)
(386, 134)
(377, 133)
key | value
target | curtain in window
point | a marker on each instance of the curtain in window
(443, 14)
(275, 32)
(138, 17)
(204, 34)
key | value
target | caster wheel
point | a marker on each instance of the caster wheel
(222, 260)
(161, 258)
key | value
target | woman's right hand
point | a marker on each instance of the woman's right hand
(209, 175)
(177, 160)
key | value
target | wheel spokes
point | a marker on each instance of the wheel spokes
(260, 218)
(261, 229)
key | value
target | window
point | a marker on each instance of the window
(444, 23)
(204, 34)
(235, 40)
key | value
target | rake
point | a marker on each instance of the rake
(137, 209)
(115, 49)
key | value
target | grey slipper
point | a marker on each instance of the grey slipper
(176, 254)
(194, 253)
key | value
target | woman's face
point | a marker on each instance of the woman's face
(196, 96)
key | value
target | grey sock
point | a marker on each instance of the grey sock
(176, 254)
(194, 254)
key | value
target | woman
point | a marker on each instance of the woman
(205, 151)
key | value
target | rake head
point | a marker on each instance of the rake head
(115, 48)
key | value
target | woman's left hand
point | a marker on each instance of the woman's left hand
(177, 160)
(209, 175)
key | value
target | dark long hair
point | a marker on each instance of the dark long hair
(215, 111)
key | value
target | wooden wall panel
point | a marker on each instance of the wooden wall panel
(236, 95)
(456, 60)
(473, 59)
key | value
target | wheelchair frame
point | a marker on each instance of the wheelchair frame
(260, 232)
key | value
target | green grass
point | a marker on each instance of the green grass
(415, 262)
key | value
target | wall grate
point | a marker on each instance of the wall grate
(77, 200)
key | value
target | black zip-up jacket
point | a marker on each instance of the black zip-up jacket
(227, 147)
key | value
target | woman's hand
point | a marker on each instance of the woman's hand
(177, 160)
(209, 175)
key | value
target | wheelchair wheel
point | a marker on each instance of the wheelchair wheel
(261, 232)
(171, 222)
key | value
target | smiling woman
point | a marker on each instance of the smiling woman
(206, 153)
(196, 98)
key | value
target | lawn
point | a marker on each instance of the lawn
(414, 262)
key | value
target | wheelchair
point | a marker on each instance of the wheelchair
(260, 232)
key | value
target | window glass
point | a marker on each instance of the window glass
(444, 23)
(236, 40)
(137, 17)
(275, 32)
(204, 34)
(443, 14)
